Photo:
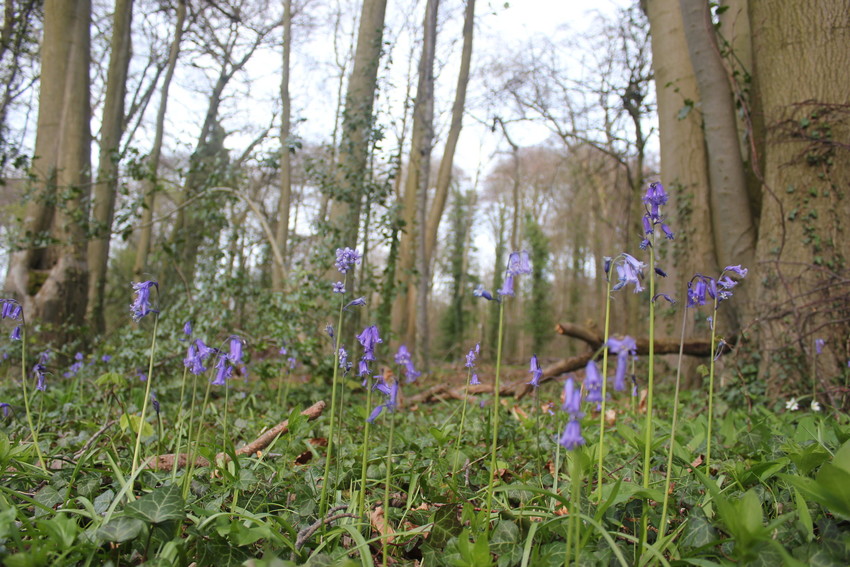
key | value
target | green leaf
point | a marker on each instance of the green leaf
(131, 422)
(699, 532)
(804, 515)
(119, 529)
(834, 483)
(110, 379)
(163, 504)
(842, 457)
(446, 526)
(505, 544)
(61, 529)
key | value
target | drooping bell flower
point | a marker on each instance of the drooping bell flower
(142, 300)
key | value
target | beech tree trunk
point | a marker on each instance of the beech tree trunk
(48, 272)
(111, 130)
(357, 126)
(284, 201)
(150, 186)
(802, 277)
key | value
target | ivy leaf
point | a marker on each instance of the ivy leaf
(119, 529)
(163, 504)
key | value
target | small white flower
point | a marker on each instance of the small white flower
(815, 406)
(792, 405)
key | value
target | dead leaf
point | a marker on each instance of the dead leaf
(519, 413)
(642, 401)
(380, 524)
(610, 417)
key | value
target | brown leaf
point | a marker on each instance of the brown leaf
(519, 413)
(380, 524)
(642, 401)
(304, 458)
(610, 417)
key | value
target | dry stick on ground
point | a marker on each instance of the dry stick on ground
(308, 532)
(521, 388)
(166, 462)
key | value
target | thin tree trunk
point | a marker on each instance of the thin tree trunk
(282, 227)
(731, 217)
(150, 186)
(444, 175)
(112, 128)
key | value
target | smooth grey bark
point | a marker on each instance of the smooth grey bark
(731, 216)
(48, 272)
(150, 186)
(285, 197)
(112, 128)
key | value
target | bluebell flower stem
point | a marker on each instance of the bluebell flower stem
(364, 462)
(323, 498)
(574, 526)
(604, 388)
(557, 466)
(711, 389)
(224, 425)
(647, 439)
(136, 450)
(462, 420)
(181, 415)
(193, 444)
(663, 527)
(33, 430)
(496, 407)
(387, 485)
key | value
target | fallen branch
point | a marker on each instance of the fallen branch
(166, 462)
(690, 348)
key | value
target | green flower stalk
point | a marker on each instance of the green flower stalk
(140, 308)
(605, 378)
(471, 378)
(663, 527)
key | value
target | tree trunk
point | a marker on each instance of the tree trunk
(732, 221)
(150, 185)
(357, 125)
(444, 175)
(684, 168)
(282, 227)
(112, 128)
(801, 257)
(50, 275)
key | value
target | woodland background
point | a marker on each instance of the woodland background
(139, 141)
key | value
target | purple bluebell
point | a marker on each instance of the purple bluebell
(470, 356)
(343, 357)
(223, 371)
(606, 264)
(571, 438)
(16, 333)
(665, 296)
(653, 200)
(329, 330)
(187, 328)
(142, 301)
(235, 353)
(11, 309)
(592, 382)
(622, 348)
(819, 344)
(355, 303)
(660, 272)
(507, 286)
(474, 381)
(76, 366)
(44, 357)
(369, 338)
(391, 392)
(403, 358)
(141, 375)
(742, 272)
(629, 271)
(519, 263)
(40, 372)
(283, 350)
(106, 358)
(481, 292)
(572, 398)
(536, 371)
(6, 408)
(293, 362)
(696, 291)
(193, 361)
(339, 287)
(155, 403)
(346, 258)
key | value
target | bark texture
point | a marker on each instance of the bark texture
(111, 130)
(803, 283)
(48, 272)
(281, 234)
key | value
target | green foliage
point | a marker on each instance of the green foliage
(538, 310)
(455, 319)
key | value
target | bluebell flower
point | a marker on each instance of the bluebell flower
(155, 403)
(403, 358)
(6, 408)
(11, 309)
(736, 270)
(592, 382)
(536, 371)
(355, 303)
(343, 357)
(819, 344)
(194, 361)
(142, 301)
(40, 372)
(470, 356)
(293, 362)
(106, 358)
(369, 338)
(329, 330)
(187, 328)
(629, 271)
(571, 438)
(16, 333)
(474, 381)
(572, 398)
(519, 263)
(696, 291)
(391, 392)
(223, 371)
(622, 348)
(481, 292)
(507, 286)
(235, 353)
(339, 287)
(653, 200)
(363, 368)
(346, 258)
